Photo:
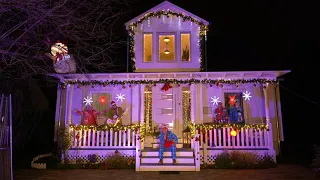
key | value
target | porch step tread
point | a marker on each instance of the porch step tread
(178, 157)
(167, 150)
(167, 164)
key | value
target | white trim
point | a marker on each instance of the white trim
(182, 75)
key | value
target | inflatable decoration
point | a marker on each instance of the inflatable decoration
(62, 61)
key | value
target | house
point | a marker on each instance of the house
(168, 85)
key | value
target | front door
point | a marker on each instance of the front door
(165, 108)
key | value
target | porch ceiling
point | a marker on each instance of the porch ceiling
(178, 75)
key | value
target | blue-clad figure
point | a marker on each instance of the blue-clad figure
(237, 113)
(165, 136)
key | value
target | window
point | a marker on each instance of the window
(185, 47)
(166, 48)
(147, 48)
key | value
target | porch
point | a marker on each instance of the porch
(209, 141)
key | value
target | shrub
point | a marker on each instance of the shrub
(223, 161)
(241, 160)
(118, 161)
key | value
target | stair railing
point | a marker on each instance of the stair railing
(196, 150)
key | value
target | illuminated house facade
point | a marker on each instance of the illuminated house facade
(169, 86)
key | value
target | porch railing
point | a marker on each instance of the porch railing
(104, 139)
(245, 138)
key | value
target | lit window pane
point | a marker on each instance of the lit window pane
(185, 47)
(166, 47)
(147, 48)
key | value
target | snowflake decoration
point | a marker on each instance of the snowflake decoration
(120, 97)
(215, 100)
(246, 95)
(88, 101)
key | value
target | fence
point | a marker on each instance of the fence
(6, 172)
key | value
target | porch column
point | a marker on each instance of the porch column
(193, 94)
(201, 102)
(142, 86)
(135, 116)
(266, 102)
(68, 114)
(58, 112)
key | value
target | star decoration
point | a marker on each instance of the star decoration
(120, 97)
(215, 100)
(232, 100)
(103, 100)
(246, 95)
(88, 101)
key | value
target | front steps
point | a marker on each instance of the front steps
(150, 158)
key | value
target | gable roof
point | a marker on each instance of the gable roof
(166, 5)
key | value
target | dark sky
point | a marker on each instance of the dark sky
(265, 35)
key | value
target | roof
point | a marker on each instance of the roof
(272, 75)
(166, 5)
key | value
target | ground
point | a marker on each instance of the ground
(281, 172)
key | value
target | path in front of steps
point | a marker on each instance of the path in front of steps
(281, 172)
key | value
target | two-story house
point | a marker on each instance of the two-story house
(169, 85)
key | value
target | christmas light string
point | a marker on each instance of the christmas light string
(315, 103)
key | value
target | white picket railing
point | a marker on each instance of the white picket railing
(104, 139)
(245, 138)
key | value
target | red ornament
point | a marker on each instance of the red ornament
(103, 100)
(104, 85)
(178, 85)
(77, 136)
(232, 100)
(166, 87)
(92, 86)
(210, 85)
(217, 84)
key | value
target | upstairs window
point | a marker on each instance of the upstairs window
(185, 47)
(166, 47)
(147, 47)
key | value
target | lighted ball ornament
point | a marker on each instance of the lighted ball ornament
(233, 133)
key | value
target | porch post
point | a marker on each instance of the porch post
(193, 103)
(58, 113)
(266, 101)
(70, 97)
(142, 86)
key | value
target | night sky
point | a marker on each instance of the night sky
(266, 35)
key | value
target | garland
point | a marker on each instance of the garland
(256, 127)
(134, 127)
(219, 82)
(158, 14)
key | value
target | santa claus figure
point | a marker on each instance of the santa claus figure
(221, 114)
(89, 115)
(114, 114)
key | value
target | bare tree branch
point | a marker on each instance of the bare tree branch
(29, 27)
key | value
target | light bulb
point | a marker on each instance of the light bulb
(166, 39)
(166, 52)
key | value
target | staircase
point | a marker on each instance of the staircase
(150, 158)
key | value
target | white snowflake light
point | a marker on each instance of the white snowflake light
(215, 100)
(88, 101)
(120, 97)
(246, 95)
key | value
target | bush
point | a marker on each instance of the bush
(241, 160)
(118, 161)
